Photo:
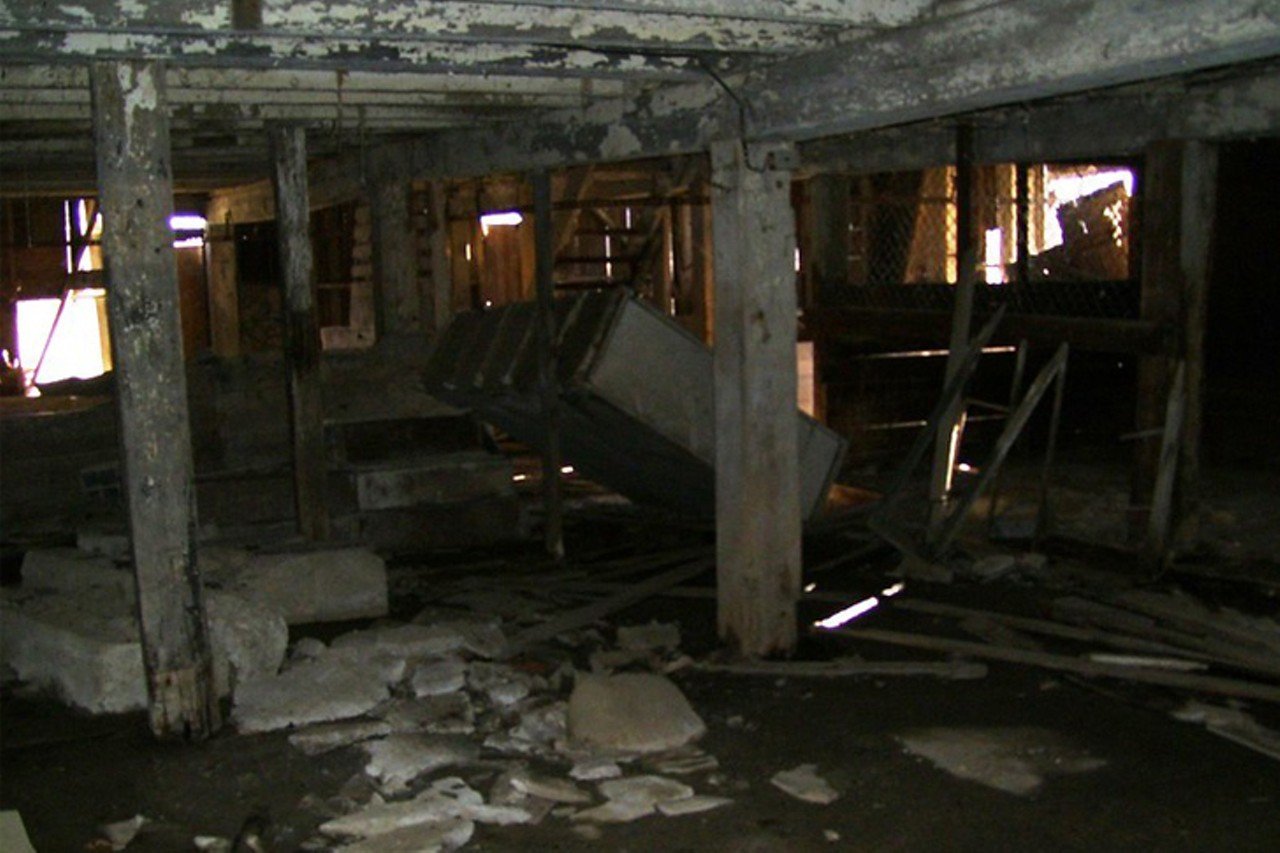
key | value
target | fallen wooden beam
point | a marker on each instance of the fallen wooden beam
(845, 667)
(1064, 663)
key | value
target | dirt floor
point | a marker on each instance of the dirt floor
(1033, 759)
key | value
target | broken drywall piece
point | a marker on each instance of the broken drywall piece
(804, 783)
(121, 833)
(594, 770)
(542, 725)
(693, 805)
(248, 638)
(211, 844)
(631, 712)
(438, 678)
(547, 788)
(424, 838)
(326, 737)
(1013, 760)
(398, 759)
(685, 762)
(330, 585)
(656, 636)
(332, 687)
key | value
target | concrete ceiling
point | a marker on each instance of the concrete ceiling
(466, 87)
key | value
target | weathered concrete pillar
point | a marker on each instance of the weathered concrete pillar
(135, 189)
(395, 269)
(757, 469)
(302, 334)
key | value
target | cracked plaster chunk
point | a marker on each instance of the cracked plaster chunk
(423, 838)
(325, 737)
(615, 811)
(398, 759)
(804, 783)
(332, 687)
(1013, 760)
(693, 805)
(309, 586)
(547, 788)
(631, 712)
(451, 713)
(440, 678)
(645, 789)
(595, 769)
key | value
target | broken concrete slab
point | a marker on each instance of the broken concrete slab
(326, 737)
(804, 783)
(631, 712)
(616, 811)
(451, 713)
(423, 641)
(83, 644)
(595, 769)
(645, 789)
(329, 688)
(547, 787)
(1013, 760)
(309, 586)
(503, 685)
(398, 759)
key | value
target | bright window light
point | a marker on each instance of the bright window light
(504, 218)
(76, 350)
(187, 222)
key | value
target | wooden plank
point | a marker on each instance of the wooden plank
(848, 667)
(1065, 663)
(391, 239)
(547, 335)
(302, 334)
(131, 134)
(758, 517)
(597, 610)
(1159, 522)
(441, 301)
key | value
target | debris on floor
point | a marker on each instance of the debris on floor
(631, 712)
(121, 833)
(1013, 760)
(804, 783)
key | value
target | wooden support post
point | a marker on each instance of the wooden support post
(694, 265)
(663, 273)
(544, 238)
(224, 298)
(441, 301)
(395, 270)
(1022, 196)
(135, 188)
(302, 335)
(827, 237)
(1178, 209)
(947, 438)
(757, 454)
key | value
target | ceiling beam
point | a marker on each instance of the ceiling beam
(371, 53)
(1007, 53)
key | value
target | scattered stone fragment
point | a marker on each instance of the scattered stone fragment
(249, 640)
(646, 789)
(635, 712)
(605, 661)
(451, 713)
(595, 769)
(543, 725)
(547, 788)
(329, 688)
(439, 677)
(121, 833)
(685, 761)
(424, 838)
(693, 805)
(397, 760)
(307, 648)
(804, 783)
(212, 844)
(588, 831)
(406, 641)
(330, 585)
(1013, 760)
(831, 835)
(503, 685)
(656, 636)
(325, 737)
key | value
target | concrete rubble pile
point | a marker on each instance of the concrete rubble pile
(71, 627)
(455, 732)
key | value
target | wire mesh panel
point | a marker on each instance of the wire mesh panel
(1052, 239)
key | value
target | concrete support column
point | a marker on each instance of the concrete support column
(135, 189)
(302, 333)
(395, 269)
(758, 522)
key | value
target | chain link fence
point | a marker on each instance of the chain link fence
(1051, 240)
